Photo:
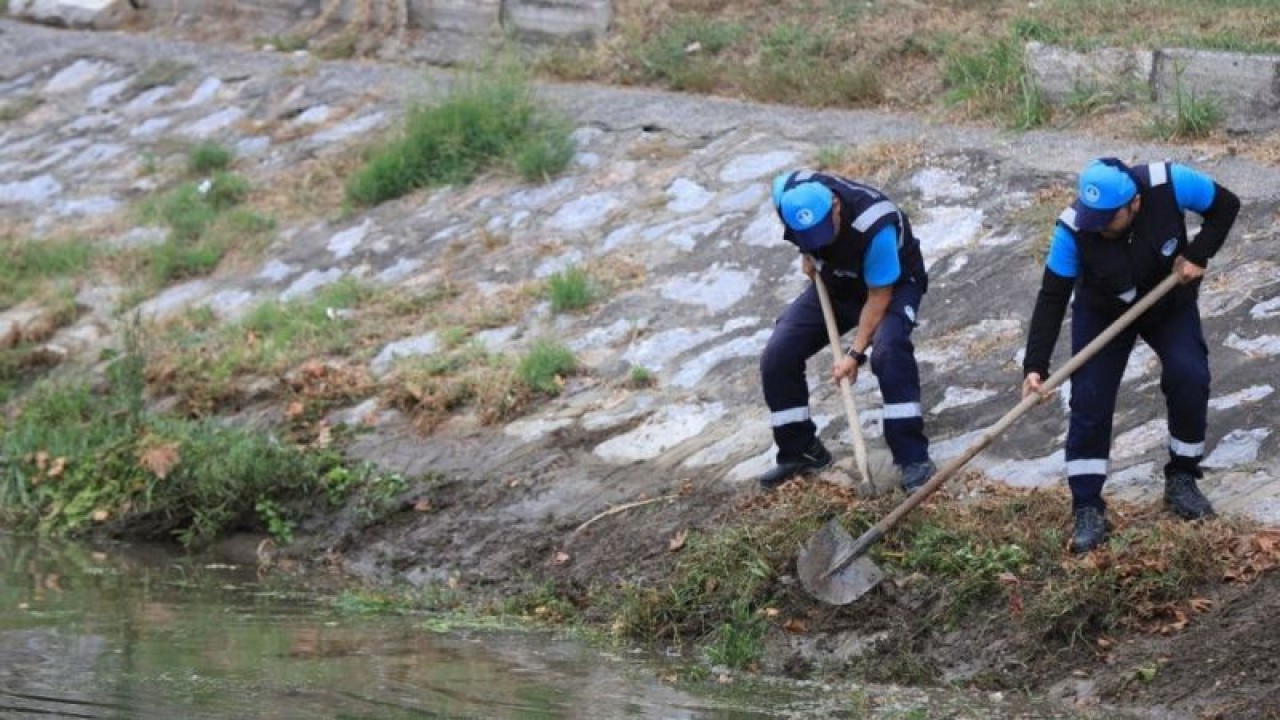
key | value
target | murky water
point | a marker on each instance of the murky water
(129, 633)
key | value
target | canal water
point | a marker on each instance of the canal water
(120, 632)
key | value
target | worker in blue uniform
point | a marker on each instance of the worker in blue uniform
(1125, 233)
(862, 245)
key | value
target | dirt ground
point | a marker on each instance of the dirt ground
(1223, 664)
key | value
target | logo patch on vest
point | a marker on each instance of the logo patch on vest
(1169, 246)
(911, 313)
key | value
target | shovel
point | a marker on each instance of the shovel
(833, 567)
(850, 409)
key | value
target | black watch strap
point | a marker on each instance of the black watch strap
(858, 357)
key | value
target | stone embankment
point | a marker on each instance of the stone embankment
(671, 189)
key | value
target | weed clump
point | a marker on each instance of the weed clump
(487, 121)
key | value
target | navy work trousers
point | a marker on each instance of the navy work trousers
(1171, 330)
(801, 332)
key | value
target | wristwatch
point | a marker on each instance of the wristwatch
(858, 357)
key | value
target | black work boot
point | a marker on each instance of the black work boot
(915, 475)
(810, 461)
(1183, 497)
(1091, 529)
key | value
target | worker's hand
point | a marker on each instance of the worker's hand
(1032, 385)
(806, 265)
(1186, 270)
(846, 368)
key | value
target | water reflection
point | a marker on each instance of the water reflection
(130, 634)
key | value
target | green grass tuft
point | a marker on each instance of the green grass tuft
(487, 121)
(208, 157)
(570, 290)
(543, 368)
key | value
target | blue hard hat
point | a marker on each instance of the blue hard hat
(805, 208)
(1105, 187)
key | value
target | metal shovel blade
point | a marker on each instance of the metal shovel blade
(816, 560)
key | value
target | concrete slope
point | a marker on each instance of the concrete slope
(668, 190)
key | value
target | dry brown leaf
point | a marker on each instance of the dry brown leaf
(57, 467)
(1201, 604)
(561, 558)
(677, 541)
(1105, 642)
(796, 626)
(772, 612)
(295, 410)
(100, 515)
(422, 505)
(160, 459)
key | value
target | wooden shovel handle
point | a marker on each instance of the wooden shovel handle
(846, 392)
(875, 532)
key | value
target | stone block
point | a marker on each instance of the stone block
(550, 20)
(96, 14)
(1245, 87)
(1063, 75)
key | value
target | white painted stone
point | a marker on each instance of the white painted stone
(147, 100)
(276, 270)
(960, 397)
(349, 129)
(584, 136)
(938, 184)
(607, 336)
(1142, 439)
(667, 428)
(586, 160)
(213, 124)
(717, 288)
(1266, 309)
(207, 90)
(36, 191)
(531, 429)
(687, 196)
(752, 432)
(309, 282)
(176, 299)
(1035, 472)
(585, 212)
(747, 199)
(947, 228)
(495, 339)
(1238, 447)
(754, 167)
(86, 207)
(1143, 361)
(314, 115)
(230, 305)
(632, 407)
(765, 230)
(101, 14)
(151, 127)
(140, 237)
(655, 351)
(559, 263)
(1247, 396)
(538, 198)
(102, 95)
(76, 75)
(1262, 346)
(694, 370)
(408, 347)
(251, 146)
(344, 243)
(403, 268)
(94, 155)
